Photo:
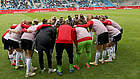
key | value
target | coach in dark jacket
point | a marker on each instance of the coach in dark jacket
(45, 41)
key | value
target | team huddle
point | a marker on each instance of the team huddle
(21, 40)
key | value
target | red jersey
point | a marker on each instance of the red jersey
(65, 34)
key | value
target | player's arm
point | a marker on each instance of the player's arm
(13, 27)
(14, 31)
(26, 30)
(24, 25)
(43, 25)
(89, 23)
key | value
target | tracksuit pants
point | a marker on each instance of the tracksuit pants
(59, 51)
(49, 58)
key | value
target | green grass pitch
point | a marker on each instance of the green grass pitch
(126, 66)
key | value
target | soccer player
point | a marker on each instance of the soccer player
(64, 41)
(117, 26)
(84, 39)
(54, 19)
(59, 22)
(27, 40)
(14, 41)
(101, 36)
(5, 40)
(70, 21)
(82, 19)
(45, 41)
(114, 36)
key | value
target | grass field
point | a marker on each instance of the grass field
(126, 66)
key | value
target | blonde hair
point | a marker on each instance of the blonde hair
(89, 17)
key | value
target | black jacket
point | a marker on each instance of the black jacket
(45, 38)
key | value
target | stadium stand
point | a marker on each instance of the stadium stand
(39, 4)
(126, 2)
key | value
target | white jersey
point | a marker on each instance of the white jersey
(115, 24)
(112, 31)
(7, 36)
(98, 27)
(15, 36)
(30, 36)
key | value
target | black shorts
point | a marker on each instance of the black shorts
(121, 30)
(102, 38)
(117, 37)
(14, 44)
(6, 44)
(26, 44)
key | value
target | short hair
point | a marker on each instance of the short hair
(44, 21)
(49, 21)
(28, 22)
(106, 17)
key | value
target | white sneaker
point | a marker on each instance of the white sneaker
(34, 69)
(113, 57)
(51, 70)
(30, 74)
(108, 60)
(19, 66)
(102, 61)
(43, 70)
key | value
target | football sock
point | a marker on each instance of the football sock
(23, 57)
(97, 56)
(31, 67)
(78, 59)
(17, 58)
(71, 66)
(113, 50)
(88, 58)
(103, 55)
(28, 64)
(109, 53)
(59, 68)
(11, 58)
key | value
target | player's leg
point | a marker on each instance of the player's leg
(9, 46)
(109, 52)
(88, 52)
(103, 53)
(29, 67)
(98, 47)
(59, 51)
(69, 49)
(41, 60)
(18, 49)
(49, 58)
(79, 50)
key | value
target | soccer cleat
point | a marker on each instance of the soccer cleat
(88, 66)
(43, 70)
(34, 69)
(75, 67)
(30, 74)
(19, 66)
(102, 62)
(93, 63)
(13, 64)
(113, 57)
(72, 70)
(51, 70)
(59, 73)
(108, 60)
